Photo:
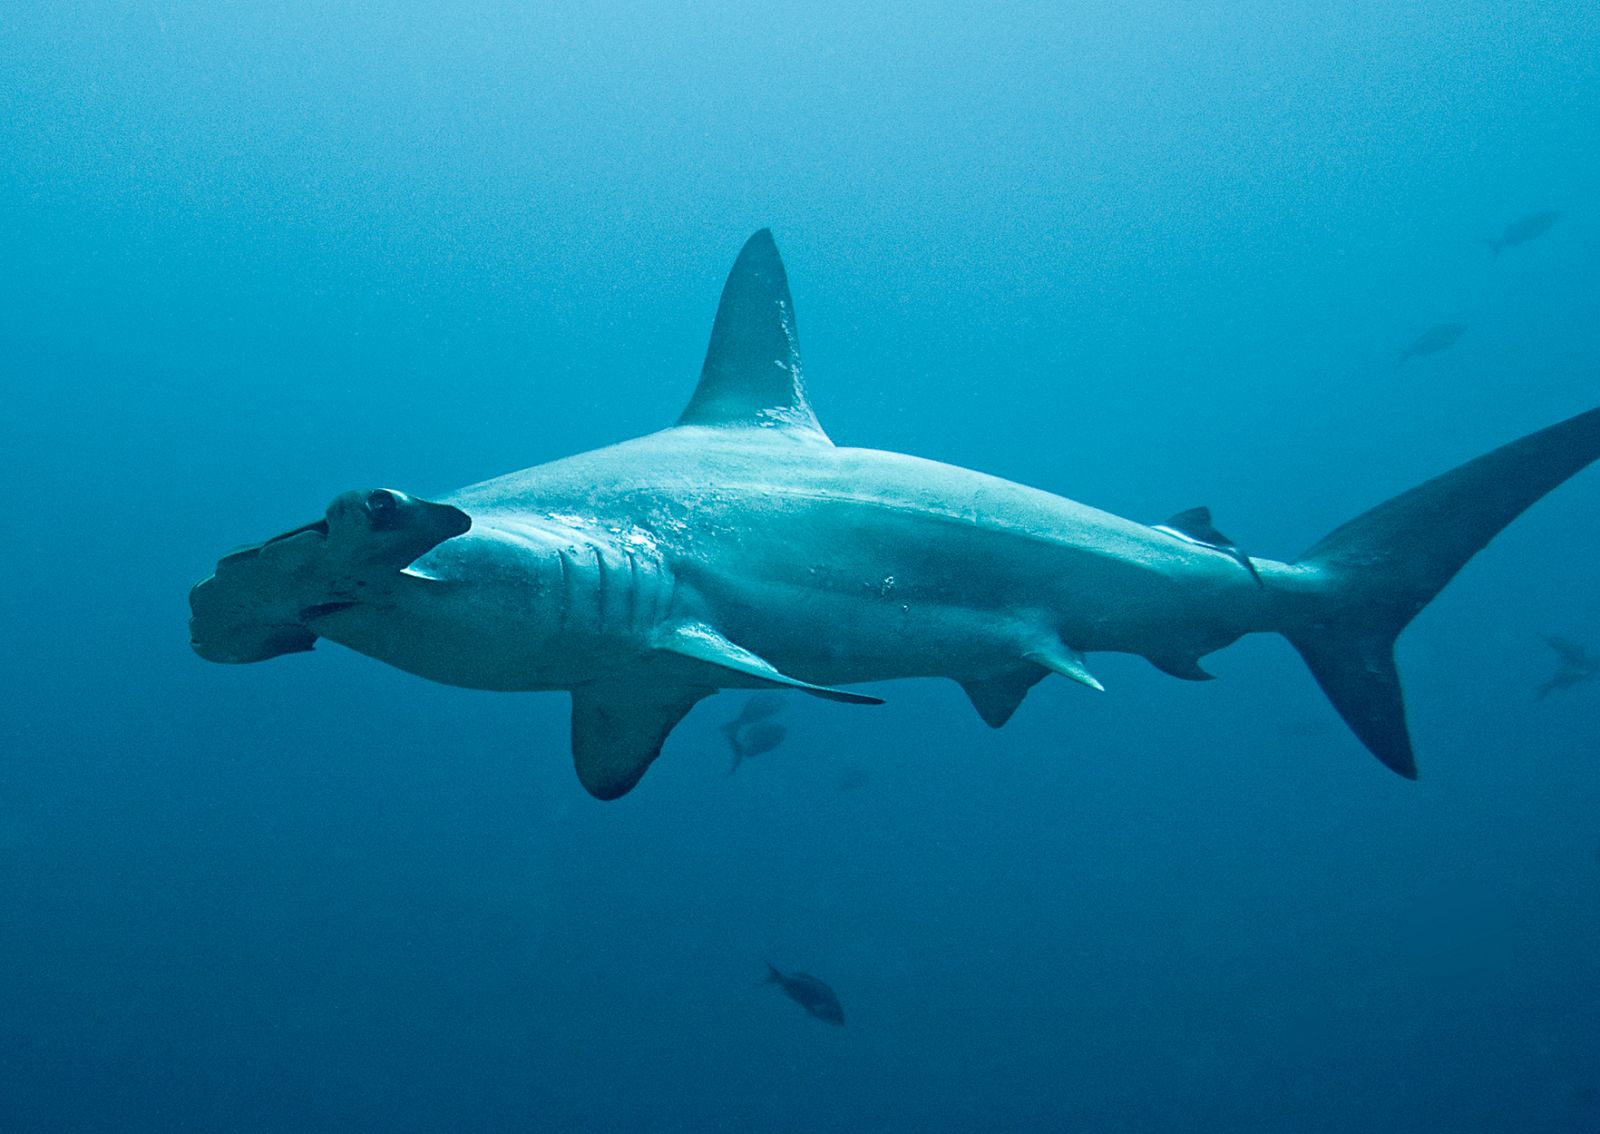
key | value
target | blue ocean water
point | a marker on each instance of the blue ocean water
(1147, 255)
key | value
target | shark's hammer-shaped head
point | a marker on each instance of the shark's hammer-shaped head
(263, 598)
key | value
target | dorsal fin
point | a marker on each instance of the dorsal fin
(751, 375)
(1195, 526)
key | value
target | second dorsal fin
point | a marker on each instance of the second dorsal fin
(1195, 526)
(751, 375)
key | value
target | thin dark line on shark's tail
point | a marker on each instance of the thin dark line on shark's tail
(1380, 569)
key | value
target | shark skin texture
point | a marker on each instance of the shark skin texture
(741, 548)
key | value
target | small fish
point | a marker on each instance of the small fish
(1576, 664)
(810, 993)
(757, 707)
(1522, 230)
(849, 779)
(1432, 341)
(753, 741)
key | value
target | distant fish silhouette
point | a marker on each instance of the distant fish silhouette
(849, 779)
(1432, 341)
(753, 741)
(1522, 230)
(1577, 664)
(810, 993)
(756, 708)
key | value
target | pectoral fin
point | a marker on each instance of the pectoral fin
(703, 643)
(618, 728)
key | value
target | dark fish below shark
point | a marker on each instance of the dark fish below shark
(810, 993)
(1522, 230)
(1577, 664)
(1432, 341)
(752, 733)
(757, 707)
(757, 740)
(741, 548)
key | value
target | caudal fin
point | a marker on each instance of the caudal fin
(1375, 573)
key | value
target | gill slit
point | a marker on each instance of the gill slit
(602, 588)
(566, 585)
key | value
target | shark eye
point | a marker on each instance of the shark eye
(383, 509)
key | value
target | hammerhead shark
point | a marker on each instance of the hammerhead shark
(742, 548)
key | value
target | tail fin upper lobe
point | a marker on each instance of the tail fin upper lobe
(1380, 569)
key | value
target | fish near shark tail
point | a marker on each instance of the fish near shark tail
(1370, 577)
(1494, 247)
(731, 731)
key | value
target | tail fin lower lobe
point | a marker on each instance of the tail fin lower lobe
(1380, 569)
